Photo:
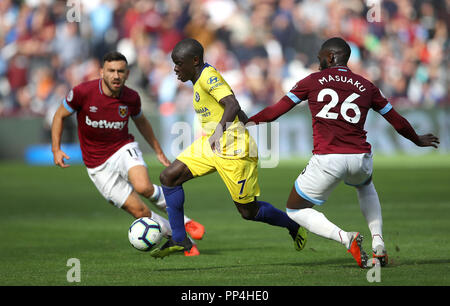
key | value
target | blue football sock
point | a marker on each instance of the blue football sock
(273, 216)
(175, 209)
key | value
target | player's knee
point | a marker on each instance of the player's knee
(164, 178)
(247, 215)
(144, 189)
(167, 177)
(137, 211)
(141, 211)
(247, 211)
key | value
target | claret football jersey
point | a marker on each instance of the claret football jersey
(339, 101)
(102, 120)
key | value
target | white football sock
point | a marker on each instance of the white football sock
(166, 230)
(158, 198)
(317, 223)
(371, 209)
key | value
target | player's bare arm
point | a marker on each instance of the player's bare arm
(404, 128)
(243, 117)
(57, 128)
(145, 128)
(231, 110)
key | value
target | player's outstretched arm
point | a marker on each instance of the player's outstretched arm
(145, 128)
(272, 112)
(57, 128)
(242, 117)
(405, 129)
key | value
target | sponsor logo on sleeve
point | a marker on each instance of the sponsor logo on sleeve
(69, 96)
(212, 80)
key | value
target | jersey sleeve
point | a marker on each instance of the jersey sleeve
(136, 111)
(379, 102)
(215, 85)
(73, 101)
(297, 94)
(272, 112)
(300, 91)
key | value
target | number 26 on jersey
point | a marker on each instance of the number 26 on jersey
(345, 106)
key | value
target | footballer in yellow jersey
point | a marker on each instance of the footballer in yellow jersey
(226, 147)
(209, 89)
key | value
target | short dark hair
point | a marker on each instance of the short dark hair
(189, 47)
(339, 46)
(114, 56)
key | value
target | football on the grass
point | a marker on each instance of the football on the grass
(144, 234)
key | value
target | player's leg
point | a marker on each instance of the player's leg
(265, 212)
(139, 178)
(311, 188)
(135, 170)
(241, 178)
(360, 176)
(137, 208)
(191, 163)
(301, 211)
(371, 209)
(172, 179)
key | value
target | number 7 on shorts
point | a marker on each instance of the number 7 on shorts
(242, 187)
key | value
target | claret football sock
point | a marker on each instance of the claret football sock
(175, 209)
(273, 216)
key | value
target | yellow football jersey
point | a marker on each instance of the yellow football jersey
(209, 89)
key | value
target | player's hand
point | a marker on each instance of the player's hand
(58, 159)
(428, 140)
(243, 117)
(214, 141)
(163, 159)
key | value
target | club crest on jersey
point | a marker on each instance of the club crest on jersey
(123, 111)
(197, 97)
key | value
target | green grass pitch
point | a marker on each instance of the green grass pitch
(48, 215)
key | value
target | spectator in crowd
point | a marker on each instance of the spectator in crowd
(254, 43)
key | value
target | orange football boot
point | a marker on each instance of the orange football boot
(195, 229)
(192, 252)
(356, 249)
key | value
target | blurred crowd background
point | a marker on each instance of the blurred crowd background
(262, 47)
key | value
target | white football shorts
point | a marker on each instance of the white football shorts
(111, 177)
(324, 172)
